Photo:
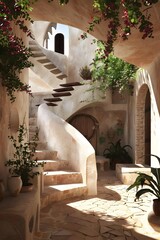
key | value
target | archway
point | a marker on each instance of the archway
(88, 126)
(143, 126)
(59, 43)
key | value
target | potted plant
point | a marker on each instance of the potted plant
(117, 154)
(149, 184)
(85, 73)
(22, 163)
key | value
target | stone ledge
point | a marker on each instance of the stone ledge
(127, 173)
(19, 216)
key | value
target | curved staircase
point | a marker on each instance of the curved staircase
(58, 181)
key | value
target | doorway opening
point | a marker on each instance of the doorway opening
(88, 126)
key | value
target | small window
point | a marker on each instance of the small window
(59, 43)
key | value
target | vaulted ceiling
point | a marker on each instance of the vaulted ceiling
(78, 13)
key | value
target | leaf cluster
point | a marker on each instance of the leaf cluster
(148, 183)
(22, 163)
(117, 153)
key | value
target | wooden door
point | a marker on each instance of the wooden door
(88, 126)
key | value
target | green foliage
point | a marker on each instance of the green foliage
(22, 163)
(117, 153)
(120, 16)
(148, 184)
(85, 73)
(111, 72)
(14, 56)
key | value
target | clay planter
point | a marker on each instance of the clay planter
(156, 207)
(27, 188)
(14, 185)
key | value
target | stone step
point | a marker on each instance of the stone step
(55, 165)
(62, 177)
(56, 193)
(71, 84)
(52, 99)
(32, 136)
(41, 145)
(45, 155)
(61, 76)
(32, 121)
(51, 104)
(44, 60)
(56, 71)
(63, 94)
(63, 89)
(33, 128)
(38, 54)
(50, 66)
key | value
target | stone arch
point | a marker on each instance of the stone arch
(140, 124)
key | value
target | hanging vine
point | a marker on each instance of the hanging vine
(14, 55)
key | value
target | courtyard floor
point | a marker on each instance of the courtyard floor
(111, 215)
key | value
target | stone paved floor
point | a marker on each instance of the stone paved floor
(111, 215)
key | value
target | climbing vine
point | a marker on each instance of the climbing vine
(121, 16)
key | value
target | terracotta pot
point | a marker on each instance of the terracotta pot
(28, 188)
(156, 207)
(14, 185)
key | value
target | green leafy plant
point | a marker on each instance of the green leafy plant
(117, 153)
(85, 73)
(14, 56)
(22, 163)
(112, 72)
(148, 183)
(121, 17)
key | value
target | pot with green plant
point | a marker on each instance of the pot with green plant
(22, 164)
(85, 73)
(117, 154)
(149, 184)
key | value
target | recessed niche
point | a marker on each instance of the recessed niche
(14, 120)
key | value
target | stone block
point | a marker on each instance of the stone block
(127, 173)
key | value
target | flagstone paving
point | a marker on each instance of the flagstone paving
(111, 215)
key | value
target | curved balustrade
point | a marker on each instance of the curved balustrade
(70, 144)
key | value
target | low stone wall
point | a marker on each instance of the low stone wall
(127, 173)
(19, 216)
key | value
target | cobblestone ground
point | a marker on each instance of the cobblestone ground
(111, 215)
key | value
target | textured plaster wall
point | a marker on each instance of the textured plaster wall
(11, 115)
(78, 13)
(81, 53)
(112, 123)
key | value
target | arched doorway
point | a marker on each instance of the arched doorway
(88, 126)
(59, 43)
(143, 126)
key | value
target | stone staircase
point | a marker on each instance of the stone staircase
(64, 89)
(41, 58)
(58, 180)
